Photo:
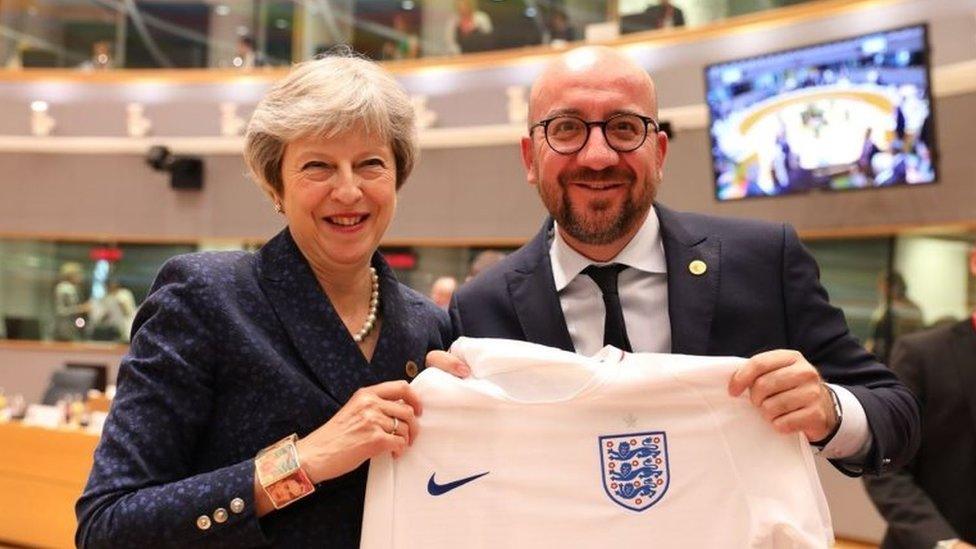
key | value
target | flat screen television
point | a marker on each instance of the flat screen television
(849, 114)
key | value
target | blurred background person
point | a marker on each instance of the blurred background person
(247, 55)
(561, 32)
(662, 15)
(101, 57)
(406, 45)
(469, 29)
(932, 501)
(895, 316)
(665, 15)
(69, 309)
(442, 290)
(116, 312)
(302, 349)
(482, 261)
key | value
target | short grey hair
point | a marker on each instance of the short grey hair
(325, 97)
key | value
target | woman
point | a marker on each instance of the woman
(68, 306)
(312, 335)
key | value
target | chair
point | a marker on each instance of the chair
(17, 327)
(101, 372)
(65, 383)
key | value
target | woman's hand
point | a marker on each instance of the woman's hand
(377, 419)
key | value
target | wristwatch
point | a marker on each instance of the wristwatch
(839, 412)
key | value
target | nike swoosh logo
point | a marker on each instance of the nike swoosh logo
(435, 489)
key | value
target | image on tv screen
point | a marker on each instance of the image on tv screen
(850, 114)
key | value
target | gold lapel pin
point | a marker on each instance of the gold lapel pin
(697, 267)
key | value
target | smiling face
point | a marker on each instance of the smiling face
(598, 196)
(339, 197)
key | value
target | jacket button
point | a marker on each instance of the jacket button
(237, 506)
(697, 267)
(220, 515)
(203, 522)
(412, 368)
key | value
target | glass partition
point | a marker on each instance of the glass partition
(88, 291)
(889, 287)
(107, 34)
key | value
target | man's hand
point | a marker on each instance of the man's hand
(448, 362)
(789, 392)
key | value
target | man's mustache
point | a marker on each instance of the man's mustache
(586, 175)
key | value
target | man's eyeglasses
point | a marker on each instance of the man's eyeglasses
(567, 134)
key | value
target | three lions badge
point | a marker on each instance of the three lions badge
(635, 468)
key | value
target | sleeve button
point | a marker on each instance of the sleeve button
(203, 522)
(220, 515)
(237, 506)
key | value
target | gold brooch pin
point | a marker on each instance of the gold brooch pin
(697, 267)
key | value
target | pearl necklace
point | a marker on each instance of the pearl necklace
(374, 305)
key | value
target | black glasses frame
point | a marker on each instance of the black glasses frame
(603, 128)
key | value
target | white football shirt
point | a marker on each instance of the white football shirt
(545, 448)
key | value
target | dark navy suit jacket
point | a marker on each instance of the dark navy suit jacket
(232, 352)
(761, 291)
(933, 498)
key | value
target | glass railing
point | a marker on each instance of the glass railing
(107, 34)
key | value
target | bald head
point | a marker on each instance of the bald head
(597, 67)
(972, 260)
(442, 290)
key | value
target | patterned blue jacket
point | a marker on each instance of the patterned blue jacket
(231, 352)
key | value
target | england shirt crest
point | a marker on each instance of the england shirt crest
(635, 468)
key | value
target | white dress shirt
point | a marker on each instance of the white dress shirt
(643, 289)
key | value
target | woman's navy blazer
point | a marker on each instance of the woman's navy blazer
(231, 352)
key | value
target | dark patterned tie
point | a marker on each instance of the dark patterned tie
(614, 329)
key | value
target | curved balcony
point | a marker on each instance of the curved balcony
(94, 35)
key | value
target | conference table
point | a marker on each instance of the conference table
(42, 473)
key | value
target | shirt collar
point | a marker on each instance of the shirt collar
(644, 252)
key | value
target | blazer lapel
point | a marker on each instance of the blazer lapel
(309, 320)
(964, 358)
(534, 296)
(691, 297)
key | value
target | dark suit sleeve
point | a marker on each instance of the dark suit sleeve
(457, 328)
(913, 519)
(143, 490)
(819, 331)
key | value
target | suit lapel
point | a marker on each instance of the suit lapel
(308, 318)
(964, 358)
(691, 297)
(534, 296)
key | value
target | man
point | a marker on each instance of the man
(657, 16)
(469, 29)
(442, 290)
(932, 502)
(688, 283)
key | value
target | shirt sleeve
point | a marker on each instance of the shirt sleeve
(853, 438)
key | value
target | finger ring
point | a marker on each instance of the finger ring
(396, 423)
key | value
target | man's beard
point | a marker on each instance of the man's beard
(597, 229)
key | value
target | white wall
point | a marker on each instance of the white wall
(937, 274)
